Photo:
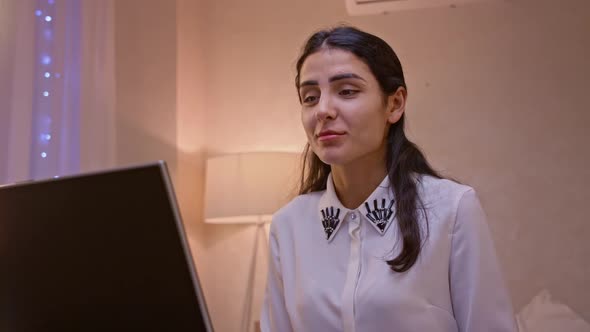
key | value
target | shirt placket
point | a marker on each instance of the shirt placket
(353, 273)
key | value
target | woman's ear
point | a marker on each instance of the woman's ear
(396, 105)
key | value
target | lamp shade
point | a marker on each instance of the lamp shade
(249, 187)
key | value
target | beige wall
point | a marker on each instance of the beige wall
(145, 62)
(497, 100)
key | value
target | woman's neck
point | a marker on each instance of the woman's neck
(355, 182)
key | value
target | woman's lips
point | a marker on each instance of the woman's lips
(329, 136)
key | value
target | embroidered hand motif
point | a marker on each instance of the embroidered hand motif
(380, 215)
(330, 221)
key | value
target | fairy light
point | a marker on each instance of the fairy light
(56, 105)
(45, 33)
(46, 59)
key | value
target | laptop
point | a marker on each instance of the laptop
(105, 251)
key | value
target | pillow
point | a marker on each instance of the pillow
(544, 315)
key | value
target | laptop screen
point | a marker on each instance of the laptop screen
(97, 252)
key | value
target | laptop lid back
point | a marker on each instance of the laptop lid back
(97, 252)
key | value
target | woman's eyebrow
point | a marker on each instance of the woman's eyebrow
(345, 76)
(333, 78)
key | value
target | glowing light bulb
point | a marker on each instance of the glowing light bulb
(46, 59)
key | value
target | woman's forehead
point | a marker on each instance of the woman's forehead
(332, 61)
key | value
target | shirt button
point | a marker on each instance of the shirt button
(353, 216)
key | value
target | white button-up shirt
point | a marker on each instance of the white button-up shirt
(328, 270)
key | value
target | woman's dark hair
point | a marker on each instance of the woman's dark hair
(404, 160)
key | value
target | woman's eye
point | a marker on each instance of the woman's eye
(310, 99)
(348, 92)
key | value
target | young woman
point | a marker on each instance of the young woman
(376, 240)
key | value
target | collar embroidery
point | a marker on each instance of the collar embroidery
(379, 209)
(330, 221)
(380, 216)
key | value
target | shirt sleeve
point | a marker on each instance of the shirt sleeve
(478, 293)
(274, 316)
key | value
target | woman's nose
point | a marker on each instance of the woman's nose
(325, 109)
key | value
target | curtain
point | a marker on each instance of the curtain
(58, 67)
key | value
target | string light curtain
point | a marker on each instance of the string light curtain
(55, 148)
(61, 103)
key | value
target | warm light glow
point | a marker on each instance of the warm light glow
(248, 187)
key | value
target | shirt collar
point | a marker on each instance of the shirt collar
(378, 209)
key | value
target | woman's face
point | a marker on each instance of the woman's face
(344, 114)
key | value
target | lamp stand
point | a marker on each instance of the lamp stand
(249, 298)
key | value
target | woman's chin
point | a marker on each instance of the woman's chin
(332, 158)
